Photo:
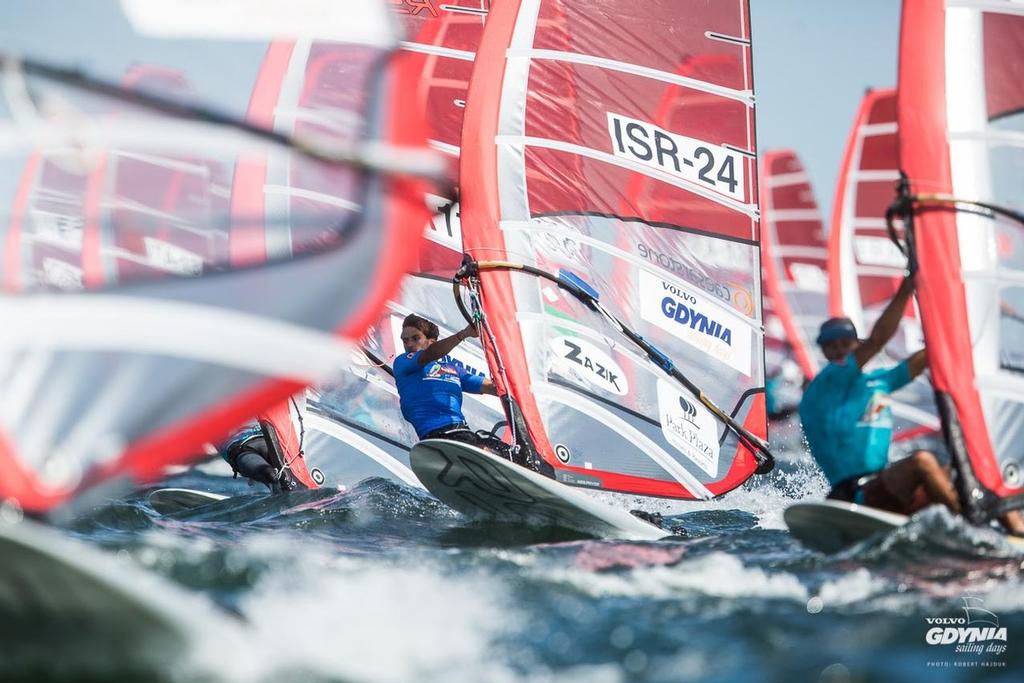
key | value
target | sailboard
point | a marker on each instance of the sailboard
(833, 525)
(609, 205)
(794, 263)
(170, 500)
(186, 321)
(865, 266)
(48, 578)
(481, 484)
(961, 121)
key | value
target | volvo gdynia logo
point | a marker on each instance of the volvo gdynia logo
(975, 637)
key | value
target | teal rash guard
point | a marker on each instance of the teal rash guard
(847, 418)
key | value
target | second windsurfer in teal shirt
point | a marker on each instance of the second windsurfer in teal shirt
(848, 422)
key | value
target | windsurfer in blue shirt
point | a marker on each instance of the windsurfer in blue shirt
(430, 383)
(848, 423)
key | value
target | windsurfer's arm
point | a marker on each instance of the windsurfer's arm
(887, 323)
(917, 363)
(442, 347)
(488, 387)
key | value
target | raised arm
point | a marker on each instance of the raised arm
(917, 363)
(887, 323)
(442, 347)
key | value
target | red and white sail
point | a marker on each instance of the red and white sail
(221, 273)
(619, 145)
(356, 427)
(794, 260)
(865, 267)
(961, 118)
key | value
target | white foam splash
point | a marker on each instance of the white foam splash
(716, 574)
(380, 623)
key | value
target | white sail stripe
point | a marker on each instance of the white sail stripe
(524, 140)
(73, 247)
(152, 326)
(322, 197)
(997, 6)
(875, 176)
(796, 250)
(870, 223)
(444, 147)
(642, 442)
(437, 50)
(358, 22)
(532, 226)
(1001, 276)
(781, 215)
(879, 271)
(875, 129)
(744, 96)
(178, 222)
(787, 179)
(1010, 137)
(165, 162)
(365, 446)
(915, 414)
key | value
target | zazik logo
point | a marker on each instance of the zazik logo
(588, 365)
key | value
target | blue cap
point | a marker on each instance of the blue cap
(836, 328)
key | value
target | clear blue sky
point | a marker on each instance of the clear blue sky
(812, 61)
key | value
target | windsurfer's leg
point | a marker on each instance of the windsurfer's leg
(1013, 522)
(252, 462)
(913, 483)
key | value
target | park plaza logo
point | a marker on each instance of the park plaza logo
(977, 632)
(689, 427)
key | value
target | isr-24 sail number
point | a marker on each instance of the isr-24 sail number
(711, 165)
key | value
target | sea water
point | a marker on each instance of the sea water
(383, 583)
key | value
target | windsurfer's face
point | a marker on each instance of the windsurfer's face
(839, 349)
(413, 340)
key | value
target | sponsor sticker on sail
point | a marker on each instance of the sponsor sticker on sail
(588, 365)
(696, 320)
(689, 427)
(710, 166)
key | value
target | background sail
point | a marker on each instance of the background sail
(865, 267)
(962, 134)
(147, 362)
(356, 425)
(794, 260)
(620, 146)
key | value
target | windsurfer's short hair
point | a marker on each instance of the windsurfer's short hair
(428, 328)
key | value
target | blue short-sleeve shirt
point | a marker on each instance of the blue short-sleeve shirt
(431, 395)
(847, 418)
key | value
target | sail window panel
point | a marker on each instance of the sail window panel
(1005, 419)
(618, 372)
(609, 251)
(647, 39)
